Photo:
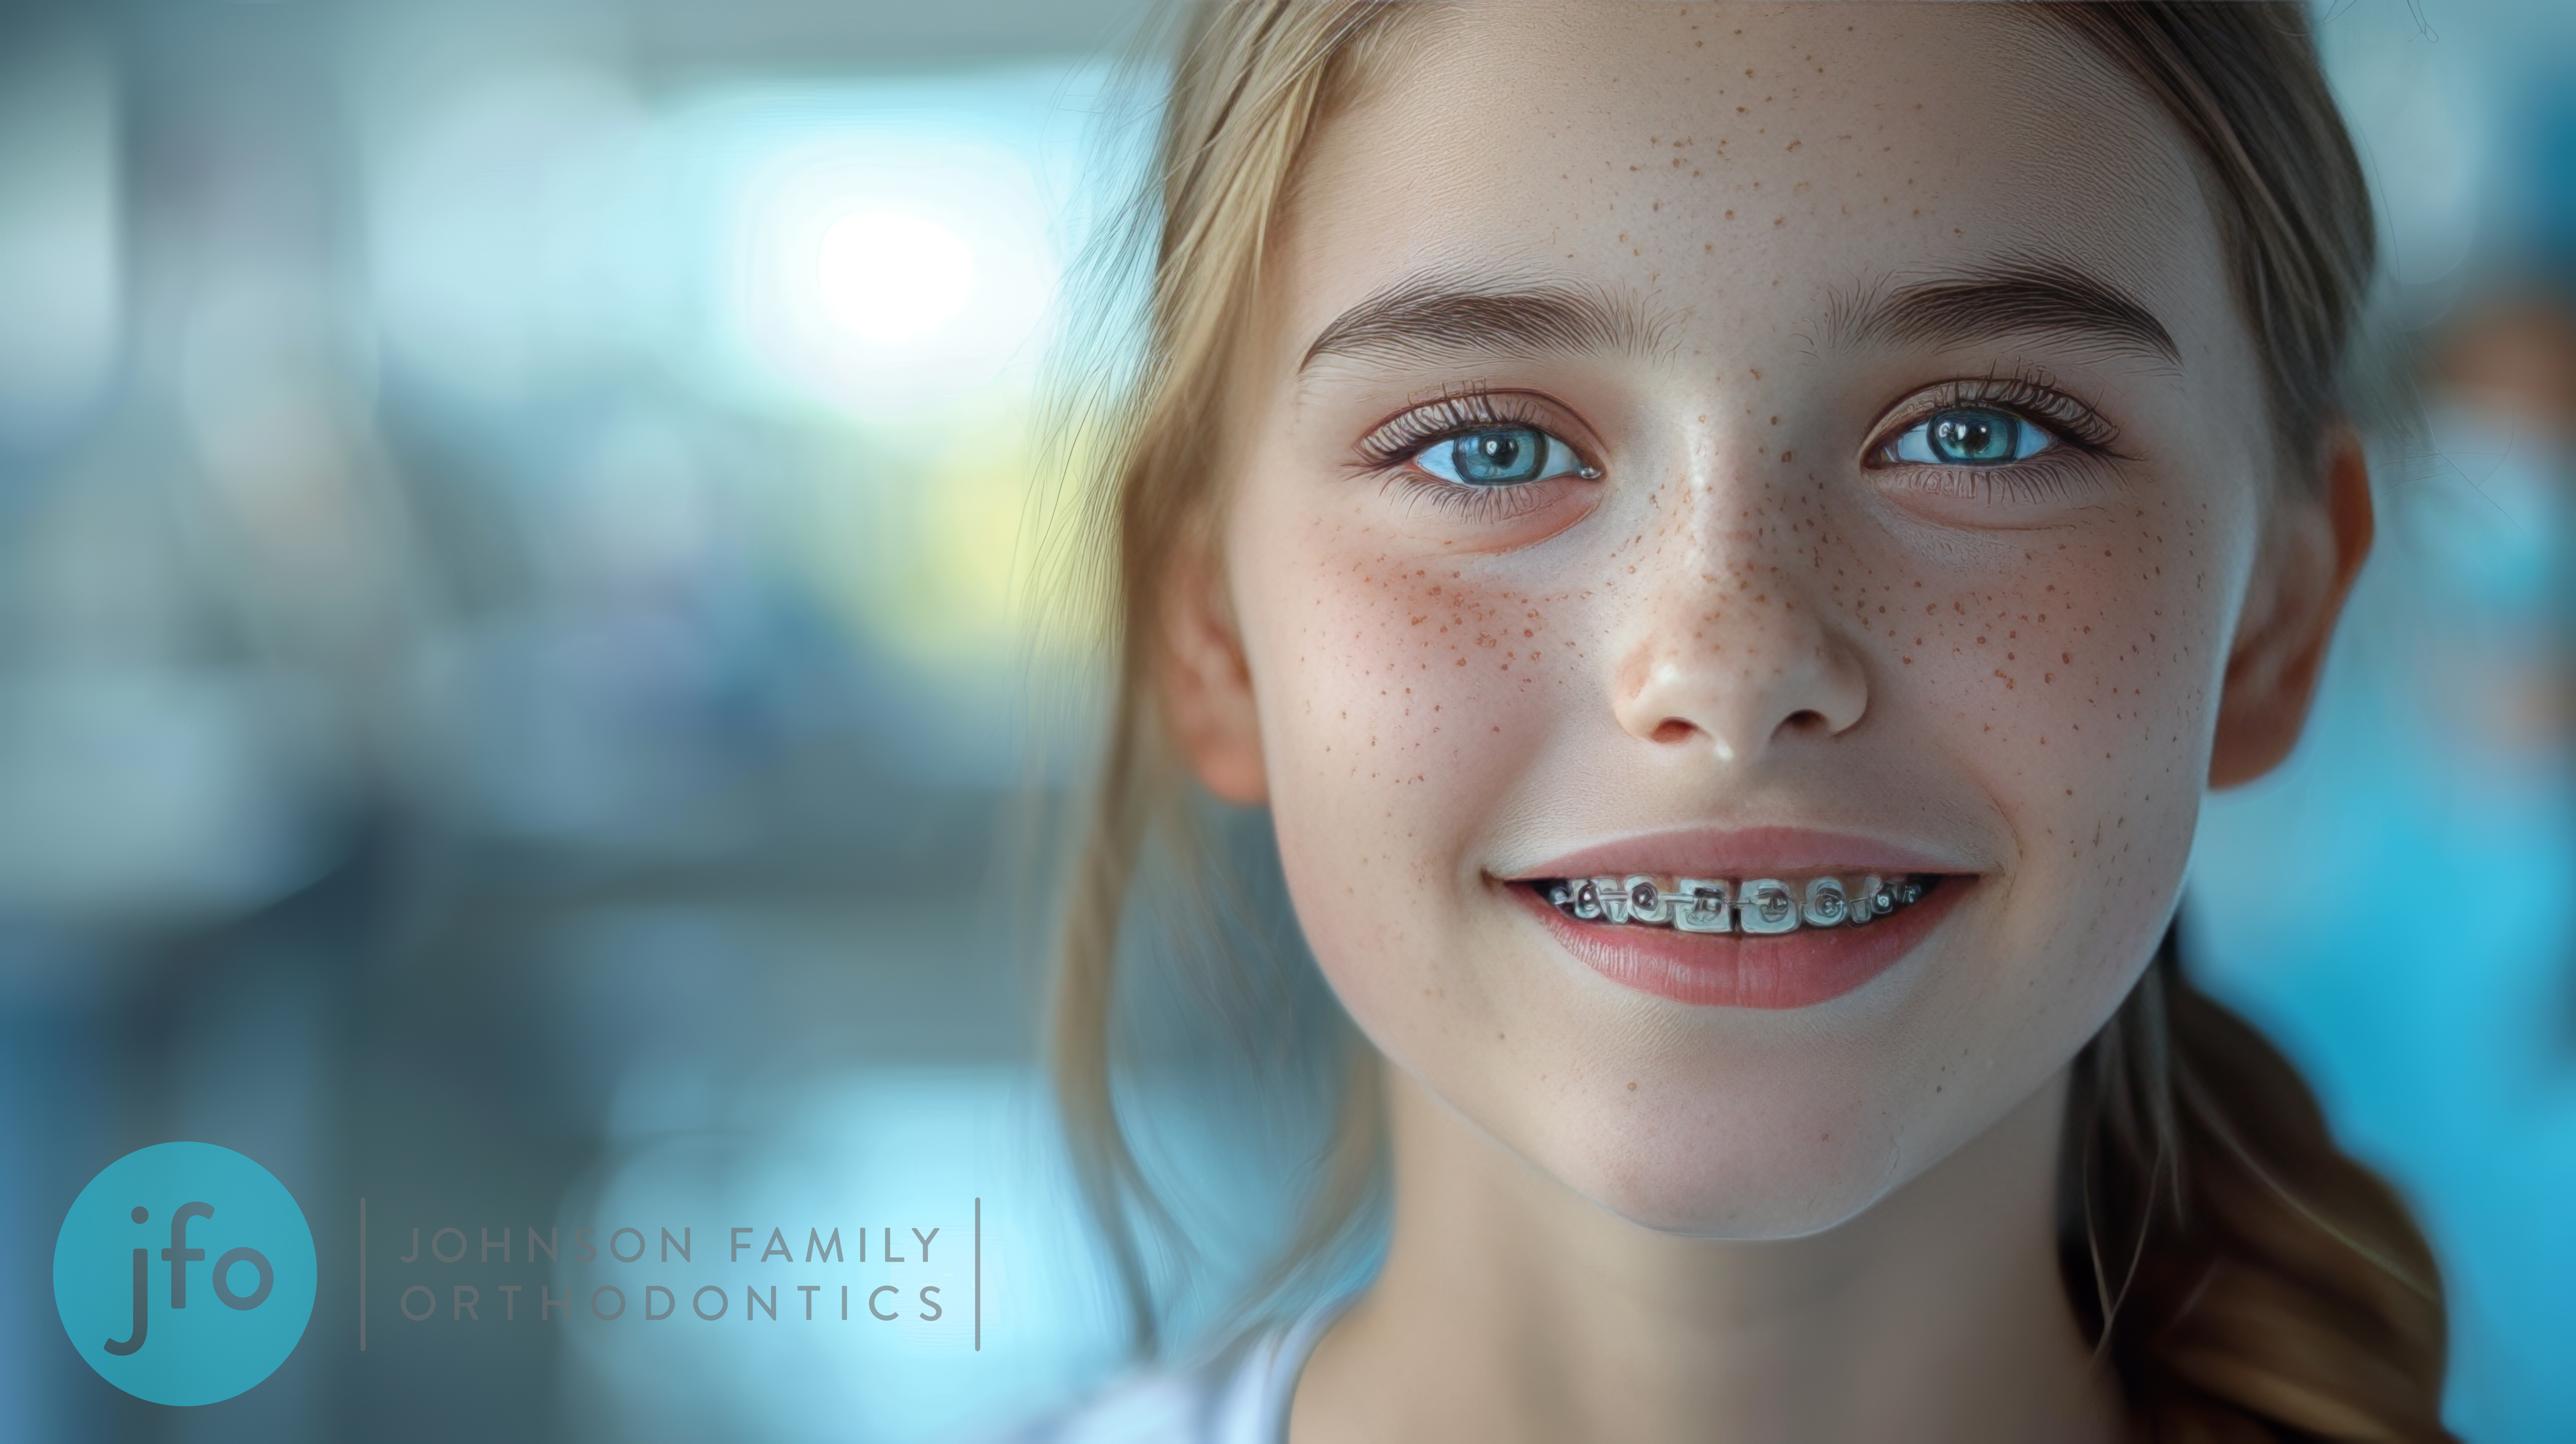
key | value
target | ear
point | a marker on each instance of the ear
(2315, 547)
(1207, 687)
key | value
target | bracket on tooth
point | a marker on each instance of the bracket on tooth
(1826, 904)
(1766, 906)
(1702, 905)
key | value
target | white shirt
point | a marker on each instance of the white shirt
(1239, 1397)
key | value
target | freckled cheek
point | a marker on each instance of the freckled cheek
(1432, 684)
(1404, 698)
(2085, 700)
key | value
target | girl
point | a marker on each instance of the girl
(1729, 542)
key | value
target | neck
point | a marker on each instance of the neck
(1511, 1309)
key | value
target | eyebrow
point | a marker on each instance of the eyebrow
(1444, 314)
(2014, 297)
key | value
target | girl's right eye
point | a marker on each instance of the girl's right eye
(1495, 456)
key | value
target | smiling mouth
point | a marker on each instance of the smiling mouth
(1757, 907)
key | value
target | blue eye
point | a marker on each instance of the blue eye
(1500, 456)
(1970, 436)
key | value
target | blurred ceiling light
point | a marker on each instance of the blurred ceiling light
(865, 248)
(884, 248)
(891, 278)
(59, 264)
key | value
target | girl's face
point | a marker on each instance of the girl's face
(1732, 445)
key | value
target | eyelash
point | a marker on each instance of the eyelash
(1393, 443)
(2085, 438)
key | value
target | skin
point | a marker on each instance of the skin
(1621, 1217)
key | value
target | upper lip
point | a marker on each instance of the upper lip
(1738, 853)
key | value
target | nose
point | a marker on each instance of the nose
(1729, 653)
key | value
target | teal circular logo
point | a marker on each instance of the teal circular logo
(184, 1273)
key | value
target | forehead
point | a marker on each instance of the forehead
(1737, 165)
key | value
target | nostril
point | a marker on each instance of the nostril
(1674, 729)
(1809, 720)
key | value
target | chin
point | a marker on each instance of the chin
(1776, 1173)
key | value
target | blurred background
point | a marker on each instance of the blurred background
(514, 706)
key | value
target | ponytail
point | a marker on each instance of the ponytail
(2239, 1274)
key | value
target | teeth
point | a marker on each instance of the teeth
(1702, 906)
(1864, 901)
(1826, 904)
(1646, 903)
(1760, 906)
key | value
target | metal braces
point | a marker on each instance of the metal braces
(1760, 906)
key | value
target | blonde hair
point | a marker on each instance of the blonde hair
(2242, 1277)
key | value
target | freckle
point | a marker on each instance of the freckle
(1632, 1087)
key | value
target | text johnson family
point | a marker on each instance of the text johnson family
(831, 1299)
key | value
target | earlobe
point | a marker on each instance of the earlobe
(2289, 622)
(1207, 689)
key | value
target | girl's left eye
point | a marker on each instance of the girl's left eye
(1969, 436)
(1497, 456)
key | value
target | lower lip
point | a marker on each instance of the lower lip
(1733, 970)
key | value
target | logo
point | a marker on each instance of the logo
(184, 1273)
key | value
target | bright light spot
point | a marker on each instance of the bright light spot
(893, 277)
(874, 251)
